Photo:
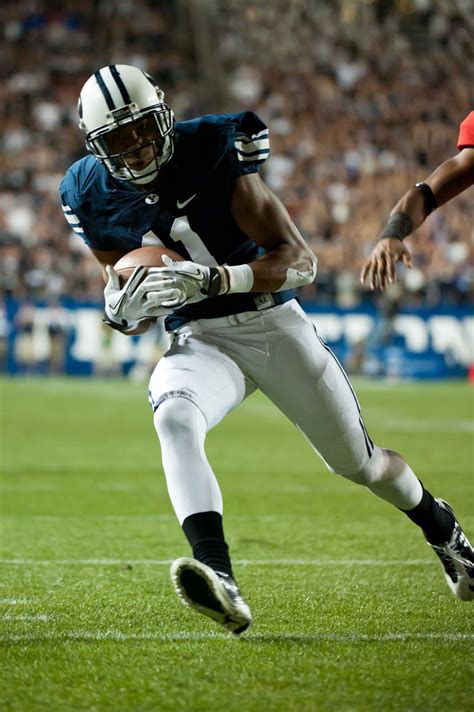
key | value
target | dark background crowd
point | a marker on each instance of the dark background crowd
(363, 98)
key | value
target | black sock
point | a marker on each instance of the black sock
(205, 533)
(437, 523)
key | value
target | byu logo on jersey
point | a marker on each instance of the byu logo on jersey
(151, 199)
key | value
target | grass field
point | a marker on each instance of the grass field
(351, 609)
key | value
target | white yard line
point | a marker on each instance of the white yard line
(426, 425)
(373, 416)
(15, 601)
(118, 636)
(25, 617)
(112, 487)
(171, 517)
(91, 517)
(242, 562)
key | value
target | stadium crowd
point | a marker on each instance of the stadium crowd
(363, 98)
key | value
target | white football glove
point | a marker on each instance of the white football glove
(126, 306)
(185, 282)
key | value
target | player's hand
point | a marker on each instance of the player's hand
(130, 304)
(379, 268)
(179, 283)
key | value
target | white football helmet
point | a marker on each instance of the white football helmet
(128, 126)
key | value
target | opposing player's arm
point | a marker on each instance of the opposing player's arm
(448, 180)
(288, 261)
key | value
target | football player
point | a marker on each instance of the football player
(448, 180)
(230, 306)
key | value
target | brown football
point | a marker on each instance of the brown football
(149, 256)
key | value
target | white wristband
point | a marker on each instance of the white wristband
(241, 278)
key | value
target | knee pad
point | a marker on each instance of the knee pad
(185, 393)
(178, 416)
(371, 471)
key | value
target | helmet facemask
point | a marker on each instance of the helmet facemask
(134, 146)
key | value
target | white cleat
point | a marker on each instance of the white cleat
(457, 559)
(213, 594)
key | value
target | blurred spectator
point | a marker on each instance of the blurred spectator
(362, 97)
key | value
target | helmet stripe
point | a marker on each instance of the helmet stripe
(104, 90)
(118, 80)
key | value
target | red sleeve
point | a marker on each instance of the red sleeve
(466, 132)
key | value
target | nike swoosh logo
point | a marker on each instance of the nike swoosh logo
(115, 309)
(185, 202)
(198, 274)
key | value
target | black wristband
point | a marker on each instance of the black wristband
(215, 281)
(430, 201)
(398, 225)
(218, 281)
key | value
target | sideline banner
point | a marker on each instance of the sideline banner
(69, 337)
(414, 343)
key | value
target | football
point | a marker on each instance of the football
(149, 256)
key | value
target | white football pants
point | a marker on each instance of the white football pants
(213, 364)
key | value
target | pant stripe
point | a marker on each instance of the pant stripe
(325, 346)
(368, 441)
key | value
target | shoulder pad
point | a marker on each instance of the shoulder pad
(202, 143)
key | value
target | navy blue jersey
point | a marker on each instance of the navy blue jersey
(189, 210)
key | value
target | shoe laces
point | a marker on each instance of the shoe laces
(459, 543)
(448, 564)
(455, 553)
(231, 587)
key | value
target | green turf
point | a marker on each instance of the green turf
(88, 617)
